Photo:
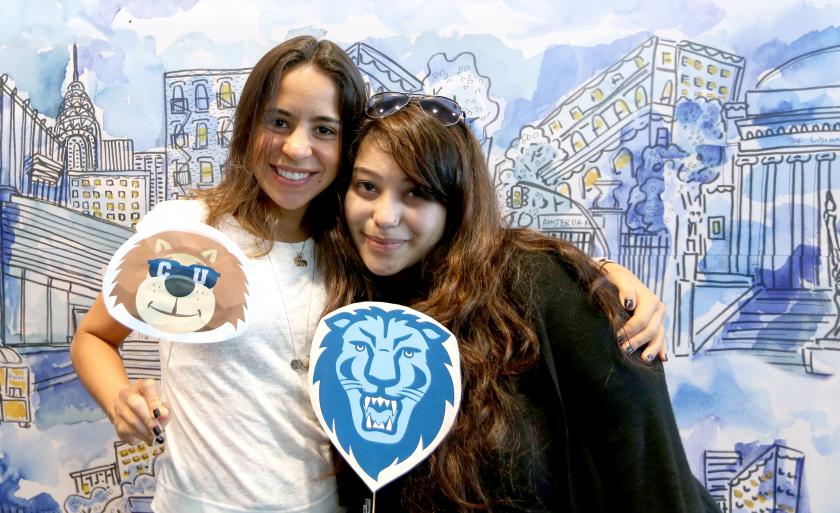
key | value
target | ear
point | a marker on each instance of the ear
(339, 321)
(210, 255)
(161, 246)
(433, 332)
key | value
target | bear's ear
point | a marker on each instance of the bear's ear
(339, 321)
(210, 255)
(161, 246)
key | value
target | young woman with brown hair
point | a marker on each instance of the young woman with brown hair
(554, 417)
(243, 436)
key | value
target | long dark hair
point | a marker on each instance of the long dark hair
(472, 278)
(238, 193)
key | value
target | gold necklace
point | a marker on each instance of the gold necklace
(300, 261)
(297, 364)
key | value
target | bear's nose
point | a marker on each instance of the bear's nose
(179, 286)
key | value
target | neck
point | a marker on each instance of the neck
(404, 287)
(287, 226)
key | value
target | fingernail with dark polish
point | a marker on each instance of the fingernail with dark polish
(159, 439)
(628, 304)
(650, 357)
(629, 350)
(666, 358)
(156, 430)
(156, 412)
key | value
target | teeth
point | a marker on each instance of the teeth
(390, 425)
(290, 175)
(368, 423)
(378, 425)
(394, 407)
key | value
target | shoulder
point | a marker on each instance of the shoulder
(180, 210)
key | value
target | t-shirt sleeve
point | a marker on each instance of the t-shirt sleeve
(166, 213)
(617, 409)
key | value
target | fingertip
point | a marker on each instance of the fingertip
(629, 304)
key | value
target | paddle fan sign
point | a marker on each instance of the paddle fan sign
(385, 383)
(186, 283)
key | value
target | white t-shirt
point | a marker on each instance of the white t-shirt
(243, 436)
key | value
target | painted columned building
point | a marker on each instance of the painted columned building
(784, 168)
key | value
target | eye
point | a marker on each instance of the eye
(277, 124)
(326, 131)
(420, 193)
(365, 186)
(359, 347)
(409, 353)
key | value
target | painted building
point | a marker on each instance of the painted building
(154, 162)
(773, 272)
(133, 460)
(719, 467)
(591, 146)
(30, 155)
(77, 128)
(380, 72)
(769, 484)
(708, 73)
(52, 264)
(121, 197)
(200, 103)
(199, 106)
(15, 389)
(103, 476)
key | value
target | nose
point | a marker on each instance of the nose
(179, 286)
(297, 145)
(387, 211)
(382, 370)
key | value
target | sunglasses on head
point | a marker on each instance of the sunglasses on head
(443, 109)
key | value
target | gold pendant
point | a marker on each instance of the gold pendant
(300, 261)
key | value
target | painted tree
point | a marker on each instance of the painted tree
(693, 158)
(526, 160)
(460, 80)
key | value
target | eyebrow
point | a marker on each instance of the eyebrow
(327, 119)
(367, 170)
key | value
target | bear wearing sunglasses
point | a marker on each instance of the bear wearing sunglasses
(181, 282)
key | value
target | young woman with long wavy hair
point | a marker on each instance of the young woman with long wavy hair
(554, 417)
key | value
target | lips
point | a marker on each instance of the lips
(384, 244)
(291, 174)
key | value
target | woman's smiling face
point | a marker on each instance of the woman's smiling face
(392, 222)
(300, 140)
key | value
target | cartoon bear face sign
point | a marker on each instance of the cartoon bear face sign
(385, 383)
(185, 284)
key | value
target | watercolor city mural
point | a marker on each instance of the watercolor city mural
(693, 142)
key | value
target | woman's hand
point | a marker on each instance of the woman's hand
(645, 328)
(137, 413)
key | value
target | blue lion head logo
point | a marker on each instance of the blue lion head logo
(385, 379)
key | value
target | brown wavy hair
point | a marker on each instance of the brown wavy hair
(474, 279)
(239, 194)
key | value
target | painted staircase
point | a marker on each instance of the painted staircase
(776, 324)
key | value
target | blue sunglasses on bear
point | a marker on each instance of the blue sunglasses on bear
(200, 274)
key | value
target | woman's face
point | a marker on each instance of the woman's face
(300, 137)
(391, 222)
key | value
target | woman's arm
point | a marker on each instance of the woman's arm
(95, 355)
(623, 437)
(645, 328)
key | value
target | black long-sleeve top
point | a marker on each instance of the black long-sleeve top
(607, 442)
